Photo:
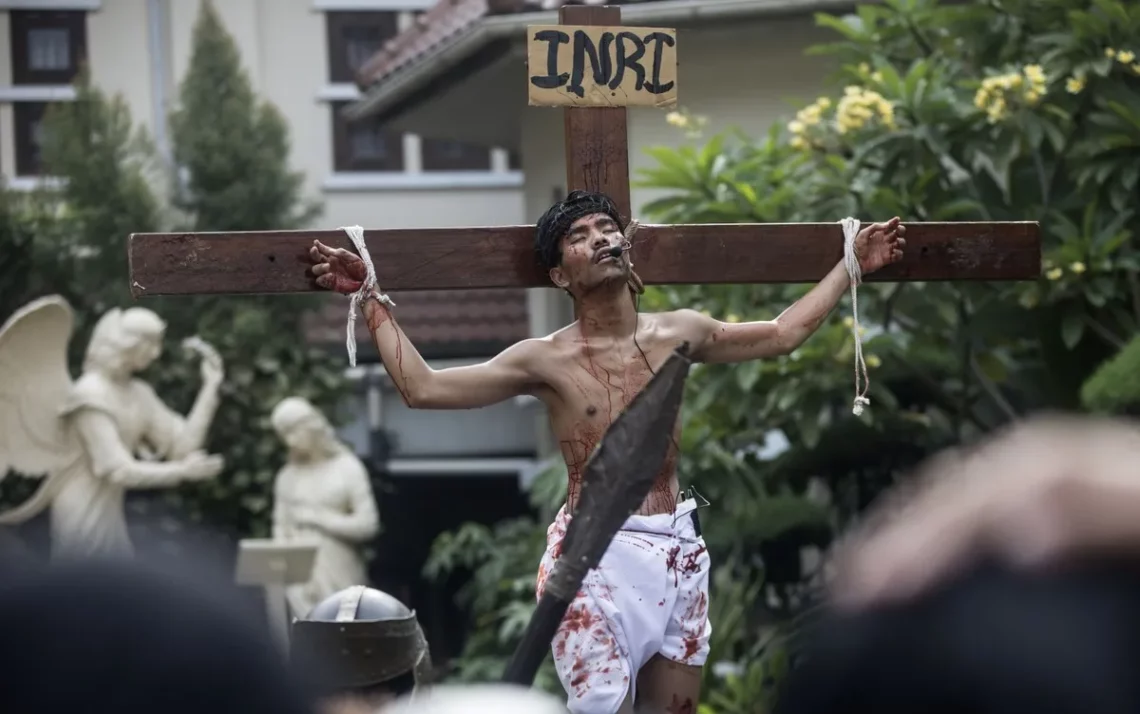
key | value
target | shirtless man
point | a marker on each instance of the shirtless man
(639, 626)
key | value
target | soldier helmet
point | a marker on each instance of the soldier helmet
(366, 641)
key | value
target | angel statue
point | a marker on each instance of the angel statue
(95, 437)
(321, 494)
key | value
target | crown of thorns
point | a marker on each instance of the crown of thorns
(556, 222)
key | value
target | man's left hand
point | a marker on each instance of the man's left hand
(880, 244)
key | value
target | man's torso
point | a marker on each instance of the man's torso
(587, 384)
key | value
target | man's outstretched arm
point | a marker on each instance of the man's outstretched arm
(507, 375)
(714, 341)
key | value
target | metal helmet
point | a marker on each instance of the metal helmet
(364, 637)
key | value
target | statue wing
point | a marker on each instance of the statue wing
(34, 386)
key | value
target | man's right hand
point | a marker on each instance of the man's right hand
(199, 466)
(337, 269)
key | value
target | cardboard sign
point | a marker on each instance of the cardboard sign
(598, 66)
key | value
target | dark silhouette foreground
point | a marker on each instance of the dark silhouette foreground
(133, 639)
(994, 641)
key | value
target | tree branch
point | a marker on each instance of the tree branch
(992, 390)
(1103, 332)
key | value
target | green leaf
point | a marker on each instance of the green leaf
(1072, 328)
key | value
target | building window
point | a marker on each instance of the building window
(448, 155)
(514, 161)
(353, 37)
(47, 47)
(364, 145)
(29, 137)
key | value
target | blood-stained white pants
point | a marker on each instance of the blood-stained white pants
(648, 596)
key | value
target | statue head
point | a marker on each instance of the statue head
(125, 341)
(303, 428)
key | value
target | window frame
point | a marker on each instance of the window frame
(471, 157)
(29, 160)
(23, 22)
(345, 162)
(387, 22)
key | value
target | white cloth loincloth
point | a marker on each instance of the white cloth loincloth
(648, 596)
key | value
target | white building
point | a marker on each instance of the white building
(445, 467)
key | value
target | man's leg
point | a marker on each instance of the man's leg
(588, 657)
(672, 677)
(668, 687)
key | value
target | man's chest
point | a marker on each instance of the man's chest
(595, 385)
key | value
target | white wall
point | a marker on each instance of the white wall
(283, 47)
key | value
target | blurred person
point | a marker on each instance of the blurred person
(122, 637)
(1005, 578)
(991, 639)
(366, 647)
(1042, 492)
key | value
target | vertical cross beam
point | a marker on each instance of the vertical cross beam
(597, 147)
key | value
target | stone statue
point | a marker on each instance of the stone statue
(102, 434)
(322, 494)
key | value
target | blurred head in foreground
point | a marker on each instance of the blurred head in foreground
(128, 639)
(994, 640)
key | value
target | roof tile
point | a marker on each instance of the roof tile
(445, 20)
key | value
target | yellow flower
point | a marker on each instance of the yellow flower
(873, 361)
(731, 317)
(797, 127)
(876, 76)
(859, 106)
(848, 322)
(676, 119)
(1109, 52)
(1125, 57)
(1075, 85)
(864, 68)
(824, 103)
(1136, 68)
(1077, 267)
(798, 143)
(1054, 274)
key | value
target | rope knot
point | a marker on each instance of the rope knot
(855, 272)
(367, 289)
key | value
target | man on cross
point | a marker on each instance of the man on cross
(639, 626)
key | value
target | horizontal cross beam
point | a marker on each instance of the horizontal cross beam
(500, 257)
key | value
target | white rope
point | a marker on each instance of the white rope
(367, 288)
(851, 261)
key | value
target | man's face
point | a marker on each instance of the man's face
(585, 265)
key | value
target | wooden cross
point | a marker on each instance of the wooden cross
(597, 158)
